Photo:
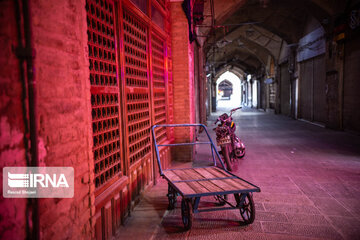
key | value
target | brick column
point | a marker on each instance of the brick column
(183, 80)
(64, 110)
(12, 127)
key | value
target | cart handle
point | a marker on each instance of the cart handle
(180, 144)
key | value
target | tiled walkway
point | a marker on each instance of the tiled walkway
(310, 187)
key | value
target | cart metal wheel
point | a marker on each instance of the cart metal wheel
(186, 213)
(172, 194)
(247, 209)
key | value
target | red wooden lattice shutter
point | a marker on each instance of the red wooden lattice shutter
(162, 3)
(159, 90)
(136, 87)
(104, 91)
(170, 95)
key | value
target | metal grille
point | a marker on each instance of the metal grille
(137, 87)
(104, 90)
(158, 71)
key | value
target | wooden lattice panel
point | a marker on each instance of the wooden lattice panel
(104, 90)
(170, 97)
(157, 54)
(162, 3)
(159, 91)
(136, 87)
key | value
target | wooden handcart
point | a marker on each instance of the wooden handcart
(193, 183)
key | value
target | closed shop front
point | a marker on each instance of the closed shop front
(129, 61)
(312, 77)
(351, 113)
(284, 90)
(313, 90)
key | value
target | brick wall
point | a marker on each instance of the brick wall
(183, 79)
(60, 40)
(12, 151)
(64, 125)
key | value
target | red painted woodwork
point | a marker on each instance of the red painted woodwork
(130, 92)
(159, 87)
(104, 91)
(137, 90)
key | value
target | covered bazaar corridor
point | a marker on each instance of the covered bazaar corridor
(83, 82)
(309, 178)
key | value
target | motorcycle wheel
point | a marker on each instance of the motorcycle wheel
(226, 155)
(242, 154)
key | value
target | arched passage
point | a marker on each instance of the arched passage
(225, 89)
(235, 98)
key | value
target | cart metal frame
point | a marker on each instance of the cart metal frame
(194, 183)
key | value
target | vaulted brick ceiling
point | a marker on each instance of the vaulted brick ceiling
(247, 32)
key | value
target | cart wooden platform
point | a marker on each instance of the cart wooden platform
(197, 182)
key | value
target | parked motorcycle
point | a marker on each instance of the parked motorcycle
(232, 148)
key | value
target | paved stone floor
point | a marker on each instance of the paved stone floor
(309, 178)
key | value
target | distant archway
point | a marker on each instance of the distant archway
(225, 89)
(228, 99)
